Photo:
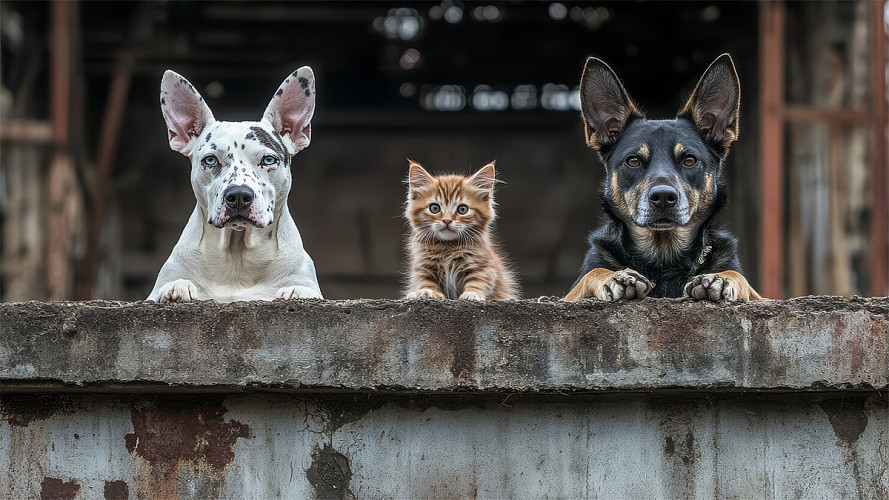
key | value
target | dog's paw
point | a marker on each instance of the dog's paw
(728, 286)
(471, 296)
(626, 284)
(297, 292)
(424, 293)
(178, 291)
(610, 285)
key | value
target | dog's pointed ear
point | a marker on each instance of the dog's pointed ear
(185, 111)
(291, 108)
(417, 176)
(714, 106)
(605, 104)
(485, 177)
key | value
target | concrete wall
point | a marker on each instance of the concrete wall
(384, 399)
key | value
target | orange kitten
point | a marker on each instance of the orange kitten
(452, 253)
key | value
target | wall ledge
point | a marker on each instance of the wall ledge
(809, 344)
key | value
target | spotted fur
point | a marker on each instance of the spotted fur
(233, 250)
(663, 188)
(454, 255)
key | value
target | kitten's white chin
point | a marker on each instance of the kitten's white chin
(447, 235)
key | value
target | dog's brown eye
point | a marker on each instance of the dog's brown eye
(462, 209)
(633, 162)
(689, 161)
(434, 208)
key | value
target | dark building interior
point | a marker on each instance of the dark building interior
(451, 85)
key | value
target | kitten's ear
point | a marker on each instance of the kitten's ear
(184, 110)
(715, 104)
(291, 108)
(604, 103)
(484, 178)
(418, 177)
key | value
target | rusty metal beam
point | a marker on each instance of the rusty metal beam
(57, 268)
(771, 143)
(879, 230)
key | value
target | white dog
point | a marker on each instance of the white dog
(241, 242)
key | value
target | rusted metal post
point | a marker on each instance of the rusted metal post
(771, 143)
(879, 230)
(59, 171)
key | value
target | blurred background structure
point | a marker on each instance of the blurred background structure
(92, 199)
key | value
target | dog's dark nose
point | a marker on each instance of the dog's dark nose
(238, 197)
(663, 197)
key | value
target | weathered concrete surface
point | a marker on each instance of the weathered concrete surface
(299, 446)
(384, 399)
(815, 343)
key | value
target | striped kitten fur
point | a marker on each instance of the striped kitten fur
(452, 253)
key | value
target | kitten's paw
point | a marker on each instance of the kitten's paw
(471, 296)
(297, 292)
(178, 291)
(610, 286)
(424, 293)
(728, 286)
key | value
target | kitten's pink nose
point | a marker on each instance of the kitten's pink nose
(447, 221)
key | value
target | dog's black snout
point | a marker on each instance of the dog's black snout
(663, 197)
(238, 197)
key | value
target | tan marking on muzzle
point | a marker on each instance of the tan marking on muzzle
(632, 197)
(698, 200)
(616, 194)
(694, 200)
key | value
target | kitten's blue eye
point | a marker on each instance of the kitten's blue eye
(462, 209)
(209, 161)
(689, 161)
(434, 208)
(633, 162)
(269, 160)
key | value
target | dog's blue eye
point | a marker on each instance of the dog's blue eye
(269, 160)
(434, 208)
(633, 162)
(209, 161)
(689, 161)
(462, 209)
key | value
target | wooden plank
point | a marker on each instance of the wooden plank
(797, 267)
(838, 259)
(879, 230)
(771, 55)
(23, 131)
(833, 116)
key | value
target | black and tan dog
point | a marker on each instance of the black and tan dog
(662, 189)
